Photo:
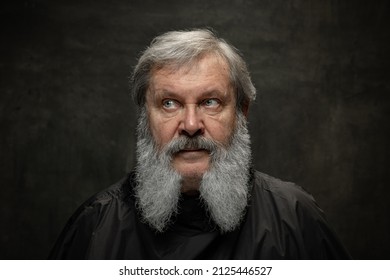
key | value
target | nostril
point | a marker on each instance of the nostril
(192, 134)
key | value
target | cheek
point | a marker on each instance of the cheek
(222, 129)
(162, 131)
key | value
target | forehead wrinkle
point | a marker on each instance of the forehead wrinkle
(193, 64)
(168, 86)
(160, 94)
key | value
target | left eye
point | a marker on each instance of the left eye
(211, 103)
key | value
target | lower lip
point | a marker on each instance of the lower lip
(192, 154)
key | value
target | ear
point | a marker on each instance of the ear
(245, 109)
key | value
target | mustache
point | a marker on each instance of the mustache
(191, 143)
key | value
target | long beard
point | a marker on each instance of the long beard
(224, 188)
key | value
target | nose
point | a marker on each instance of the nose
(192, 123)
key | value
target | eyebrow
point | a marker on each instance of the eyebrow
(171, 94)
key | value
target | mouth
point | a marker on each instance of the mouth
(191, 149)
(192, 154)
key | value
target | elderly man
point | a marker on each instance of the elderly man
(193, 193)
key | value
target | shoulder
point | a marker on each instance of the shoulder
(287, 207)
(286, 204)
(118, 193)
(287, 192)
(76, 238)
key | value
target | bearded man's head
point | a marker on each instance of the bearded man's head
(193, 90)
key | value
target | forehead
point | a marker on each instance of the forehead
(206, 73)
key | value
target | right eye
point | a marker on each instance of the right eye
(170, 104)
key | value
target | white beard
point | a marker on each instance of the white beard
(224, 188)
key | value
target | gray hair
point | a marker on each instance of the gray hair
(180, 48)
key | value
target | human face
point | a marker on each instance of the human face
(192, 101)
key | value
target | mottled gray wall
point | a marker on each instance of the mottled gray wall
(67, 124)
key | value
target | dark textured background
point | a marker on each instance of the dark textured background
(67, 123)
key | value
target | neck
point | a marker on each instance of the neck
(190, 185)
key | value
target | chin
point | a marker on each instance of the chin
(191, 172)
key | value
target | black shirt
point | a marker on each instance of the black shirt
(282, 222)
